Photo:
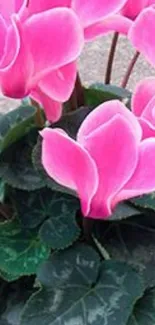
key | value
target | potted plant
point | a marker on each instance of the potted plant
(77, 168)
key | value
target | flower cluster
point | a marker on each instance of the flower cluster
(40, 42)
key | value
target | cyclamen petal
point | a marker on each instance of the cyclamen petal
(102, 114)
(113, 147)
(132, 8)
(59, 84)
(15, 77)
(143, 93)
(143, 106)
(93, 11)
(52, 108)
(3, 32)
(70, 165)
(141, 35)
(147, 127)
(58, 25)
(143, 179)
(115, 23)
(42, 5)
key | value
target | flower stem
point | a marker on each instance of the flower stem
(103, 252)
(129, 70)
(111, 58)
(87, 225)
(39, 120)
(73, 101)
(77, 98)
(79, 91)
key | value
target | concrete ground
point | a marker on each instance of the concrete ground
(92, 66)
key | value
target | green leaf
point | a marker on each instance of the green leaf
(8, 277)
(33, 207)
(124, 211)
(2, 191)
(131, 240)
(75, 290)
(12, 299)
(21, 251)
(98, 93)
(61, 229)
(15, 125)
(16, 168)
(144, 311)
(145, 201)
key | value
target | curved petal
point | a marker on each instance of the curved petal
(21, 4)
(59, 84)
(92, 11)
(70, 165)
(143, 179)
(149, 112)
(3, 35)
(115, 23)
(142, 36)
(63, 42)
(132, 8)
(12, 45)
(103, 114)
(7, 8)
(16, 76)
(114, 149)
(42, 5)
(143, 93)
(147, 128)
(52, 108)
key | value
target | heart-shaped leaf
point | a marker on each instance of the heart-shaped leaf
(21, 251)
(15, 124)
(77, 289)
(144, 311)
(131, 240)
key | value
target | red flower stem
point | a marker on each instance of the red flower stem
(73, 101)
(79, 91)
(77, 98)
(129, 70)
(111, 58)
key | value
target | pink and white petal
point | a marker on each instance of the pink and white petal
(3, 35)
(93, 11)
(7, 8)
(149, 112)
(141, 34)
(143, 179)
(132, 8)
(16, 76)
(21, 4)
(60, 83)
(52, 108)
(12, 44)
(147, 128)
(63, 42)
(115, 23)
(144, 92)
(102, 114)
(114, 148)
(70, 165)
(42, 5)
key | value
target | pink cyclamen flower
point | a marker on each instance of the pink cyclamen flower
(97, 17)
(107, 164)
(141, 34)
(143, 106)
(133, 8)
(37, 54)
